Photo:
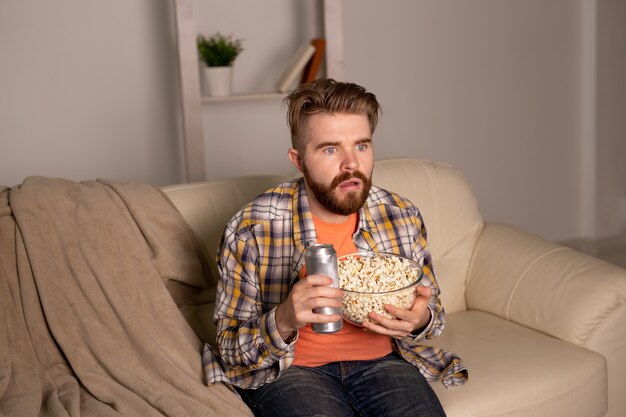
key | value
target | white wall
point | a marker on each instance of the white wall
(501, 89)
(492, 87)
(87, 90)
(496, 88)
(610, 127)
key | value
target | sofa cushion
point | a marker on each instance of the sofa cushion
(516, 371)
(450, 212)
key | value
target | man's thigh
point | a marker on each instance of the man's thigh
(388, 387)
(299, 392)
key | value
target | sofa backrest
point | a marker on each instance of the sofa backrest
(450, 212)
(208, 206)
(442, 194)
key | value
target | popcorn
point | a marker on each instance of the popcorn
(370, 282)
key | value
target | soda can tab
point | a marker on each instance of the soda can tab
(322, 259)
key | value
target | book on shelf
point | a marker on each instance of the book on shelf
(313, 66)
(295, 67)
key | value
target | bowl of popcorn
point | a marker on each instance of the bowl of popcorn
(371, 280)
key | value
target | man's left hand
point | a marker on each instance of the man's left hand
(405, 321)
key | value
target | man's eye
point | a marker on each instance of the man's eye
(330, 150)
(361, 147)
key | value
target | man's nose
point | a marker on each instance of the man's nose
(350, 161)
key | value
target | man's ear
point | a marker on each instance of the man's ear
(295, 158)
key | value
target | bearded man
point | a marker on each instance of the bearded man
(265, 302)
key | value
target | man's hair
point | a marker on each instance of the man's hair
(326, 95)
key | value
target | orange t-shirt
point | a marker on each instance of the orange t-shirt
(351, 342)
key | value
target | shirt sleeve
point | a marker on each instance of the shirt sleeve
(421, 253)
(251, 351)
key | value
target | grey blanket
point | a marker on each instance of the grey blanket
(87, 324)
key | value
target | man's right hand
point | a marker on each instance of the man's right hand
(310, 292)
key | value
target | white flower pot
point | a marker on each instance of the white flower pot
(218, 81)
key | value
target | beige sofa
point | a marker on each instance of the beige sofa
(542, 328)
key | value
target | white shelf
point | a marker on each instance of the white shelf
(193, 103)
(243, 97)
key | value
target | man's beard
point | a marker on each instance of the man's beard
(324, 194)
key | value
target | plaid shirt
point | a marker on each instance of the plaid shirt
(262, 251)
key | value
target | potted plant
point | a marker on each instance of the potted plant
(218, 53)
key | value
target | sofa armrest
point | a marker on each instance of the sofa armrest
(554, 290)
(539, 284)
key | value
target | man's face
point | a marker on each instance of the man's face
(337, 163)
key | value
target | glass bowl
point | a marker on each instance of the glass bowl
(369, 281)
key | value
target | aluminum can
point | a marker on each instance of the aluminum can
(322, 259)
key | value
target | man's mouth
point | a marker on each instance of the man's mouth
(353, 184)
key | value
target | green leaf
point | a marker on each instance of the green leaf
(218, 50)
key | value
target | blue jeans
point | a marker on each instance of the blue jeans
(383, 387)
